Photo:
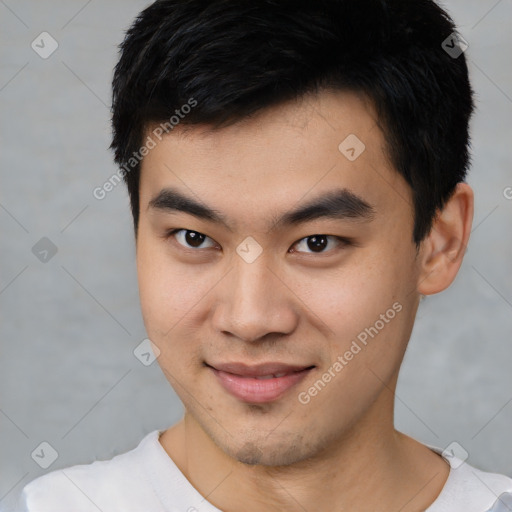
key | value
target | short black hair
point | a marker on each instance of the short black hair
(236, 57)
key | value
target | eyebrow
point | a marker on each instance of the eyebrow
(340, 204)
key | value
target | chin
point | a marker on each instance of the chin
(277, 452)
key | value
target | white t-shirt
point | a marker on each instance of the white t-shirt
(146, 479)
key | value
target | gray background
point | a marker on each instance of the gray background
(69, 326)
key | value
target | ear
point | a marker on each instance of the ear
(441, 252)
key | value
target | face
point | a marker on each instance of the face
(254, 280)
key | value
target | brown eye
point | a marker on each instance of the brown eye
(317, 243)
(191, 239)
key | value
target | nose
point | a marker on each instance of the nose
(254, 301)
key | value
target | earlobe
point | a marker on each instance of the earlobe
(442, 251)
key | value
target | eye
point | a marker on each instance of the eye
(317, 243)
(314, 244)
(190, 239)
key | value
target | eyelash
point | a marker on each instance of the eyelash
(341, 240)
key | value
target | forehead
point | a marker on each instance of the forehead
(278, 158)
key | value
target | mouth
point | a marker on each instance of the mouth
(259, 383)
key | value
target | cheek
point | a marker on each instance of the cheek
(370, 321)
(367, 301)
(351, 295)
(172, 298)
(165, 300)
(166, 288)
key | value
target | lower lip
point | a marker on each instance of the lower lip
(249, 389)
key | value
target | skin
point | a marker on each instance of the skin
(340, 451)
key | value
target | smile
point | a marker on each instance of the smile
(259, 384)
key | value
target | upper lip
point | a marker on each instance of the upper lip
(258, 370)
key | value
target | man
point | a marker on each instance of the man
(296, 175)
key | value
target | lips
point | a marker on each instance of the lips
(259, 383)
